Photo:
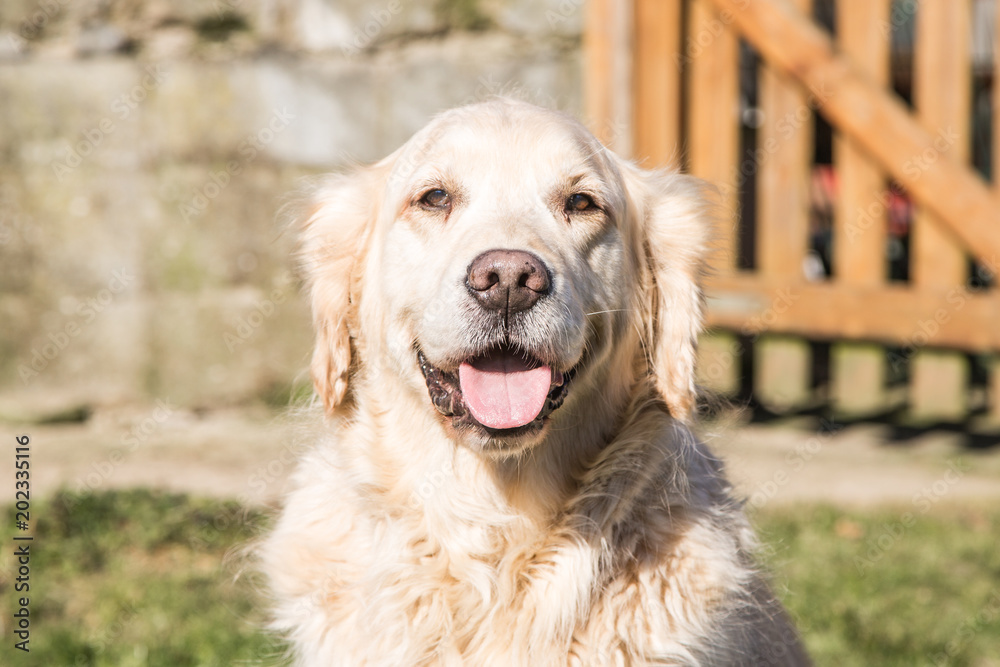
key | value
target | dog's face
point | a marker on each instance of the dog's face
(495, 262)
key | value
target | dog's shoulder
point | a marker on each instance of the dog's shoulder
(659, 508)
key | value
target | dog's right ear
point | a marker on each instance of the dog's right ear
(333, 228)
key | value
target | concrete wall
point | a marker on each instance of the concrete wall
(145, 147)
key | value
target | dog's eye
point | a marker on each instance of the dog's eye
(436, 198)
(580, 202)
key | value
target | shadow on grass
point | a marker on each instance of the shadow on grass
(897, 429)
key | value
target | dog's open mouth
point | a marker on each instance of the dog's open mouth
(501, 389)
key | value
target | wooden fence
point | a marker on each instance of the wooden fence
(670, 82)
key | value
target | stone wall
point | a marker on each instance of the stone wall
(145, 147)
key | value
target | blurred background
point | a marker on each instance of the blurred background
(156, 141)
(153, 331)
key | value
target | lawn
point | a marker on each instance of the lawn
(891, 587)
(143, 578)
(138, 578)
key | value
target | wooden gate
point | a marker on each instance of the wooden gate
(678, 82)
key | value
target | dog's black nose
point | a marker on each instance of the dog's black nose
(508, 280)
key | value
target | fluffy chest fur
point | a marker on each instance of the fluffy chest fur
(646, 559)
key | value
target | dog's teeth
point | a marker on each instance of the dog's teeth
(441, 400)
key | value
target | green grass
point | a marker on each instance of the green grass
(137, 578)
(890, 587)
(142, 578)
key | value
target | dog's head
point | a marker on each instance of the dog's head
(497, 265)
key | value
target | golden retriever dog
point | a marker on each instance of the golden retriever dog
(506, 317)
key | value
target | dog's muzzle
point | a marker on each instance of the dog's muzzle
(503, 387)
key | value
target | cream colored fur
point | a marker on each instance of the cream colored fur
(609, 538)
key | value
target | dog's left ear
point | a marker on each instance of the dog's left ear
(675, 221)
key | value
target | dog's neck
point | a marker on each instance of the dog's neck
(540, 481)
(444, 480)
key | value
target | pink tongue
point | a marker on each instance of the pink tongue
(503, 390)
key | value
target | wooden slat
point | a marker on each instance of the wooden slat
(606, 57)
(712, 57)
(860, 230)
(996, 99)
(657, 82)
(893, 313)
(993, 390)
(781, 365)
(943, 96)
(878, 122)
(860, 225)
(785, 142)
(994, 362)
(598, 38)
